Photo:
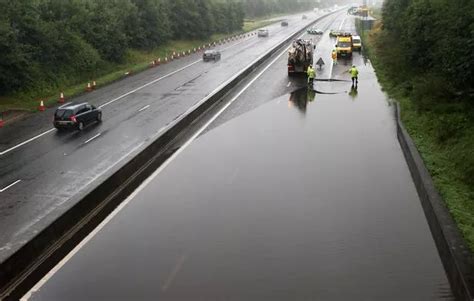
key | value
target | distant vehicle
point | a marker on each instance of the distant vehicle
(76, 116)
(263, 33)
(334, 33)
(314, 30)
(356, 43)
(211, 55)
(300, 56)
(284, 23)
(344, 45)
(304, 17)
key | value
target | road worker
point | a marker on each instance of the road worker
(311, 74)
(354, 75)
(334, 56)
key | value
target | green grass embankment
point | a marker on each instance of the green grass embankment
(441, 127)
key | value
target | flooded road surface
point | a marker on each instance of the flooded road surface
(299, 199)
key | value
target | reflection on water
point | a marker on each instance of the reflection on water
(299, 99)
(353, 92)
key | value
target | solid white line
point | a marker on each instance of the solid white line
(89, 140)
(144, 108)
(150, 178)
(9, 186)
(342, 23)
(25, 142)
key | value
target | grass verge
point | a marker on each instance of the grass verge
(443, 131)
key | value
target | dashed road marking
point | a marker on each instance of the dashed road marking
(174, 272)
(25, 142)
(10, 186)
(90, 139)
(144, 108)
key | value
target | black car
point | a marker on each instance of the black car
(284, 23)
(211, 55)
(76, 116)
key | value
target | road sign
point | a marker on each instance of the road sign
(320, 63)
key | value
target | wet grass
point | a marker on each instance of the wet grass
(443, 131)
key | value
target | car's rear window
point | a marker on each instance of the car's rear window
(63, 113)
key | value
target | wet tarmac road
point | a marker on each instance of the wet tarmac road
(301, 197)
(49, 171)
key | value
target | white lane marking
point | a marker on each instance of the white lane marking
(150, 178)
(10, 186)
(342, 23)
(25, 142)
(90, 139)
(148, 84)
(144, 108)
(289, 84)
(174, 272)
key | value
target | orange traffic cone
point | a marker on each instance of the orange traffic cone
(94, 85)
(152, 64)
(89, 87)
(2, 123)
(61, 98)
(41, 106)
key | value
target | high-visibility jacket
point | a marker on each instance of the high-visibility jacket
(354, 72)
(311, 73)
(334, 54)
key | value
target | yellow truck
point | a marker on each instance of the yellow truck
(344, 45)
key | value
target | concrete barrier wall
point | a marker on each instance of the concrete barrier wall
(30, 263)
(454, 252)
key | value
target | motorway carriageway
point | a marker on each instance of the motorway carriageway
(41, 179)
(282, 194)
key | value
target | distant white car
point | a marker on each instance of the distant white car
(356, 43)
(263, 33)
(211, 55)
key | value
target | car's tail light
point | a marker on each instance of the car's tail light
(73, 119)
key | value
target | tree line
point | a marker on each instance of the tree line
(427, 47)
(52, 42)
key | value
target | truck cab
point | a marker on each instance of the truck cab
(344, 45)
